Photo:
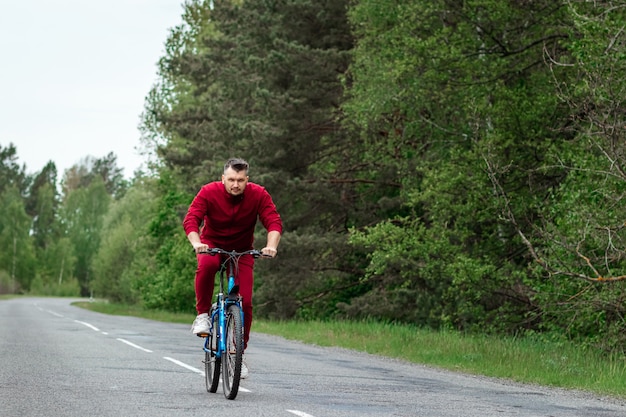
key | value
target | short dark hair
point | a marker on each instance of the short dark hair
(237, 164)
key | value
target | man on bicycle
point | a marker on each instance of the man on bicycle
(223, 214)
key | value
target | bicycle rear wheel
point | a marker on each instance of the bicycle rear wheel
(212, 365)
(233, 356)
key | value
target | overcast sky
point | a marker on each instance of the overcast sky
(74, 75)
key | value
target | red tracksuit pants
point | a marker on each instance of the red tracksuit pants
(208, 266)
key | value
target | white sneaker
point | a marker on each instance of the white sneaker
(201, 326)
(244, 369)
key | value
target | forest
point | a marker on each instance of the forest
(451, 164)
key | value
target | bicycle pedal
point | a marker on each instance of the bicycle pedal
(202, 334)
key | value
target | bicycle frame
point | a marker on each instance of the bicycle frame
(223, 302)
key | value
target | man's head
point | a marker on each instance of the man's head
(235, 176)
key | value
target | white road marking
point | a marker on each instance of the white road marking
(88, 325)
(50, 312)
(47, 311)
(196, 370)
(184, 365)
(299, 413)
(134, 345)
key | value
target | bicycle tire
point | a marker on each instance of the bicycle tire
(233, 355)
(212, 364)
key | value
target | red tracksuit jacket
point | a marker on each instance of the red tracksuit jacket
(227, 221)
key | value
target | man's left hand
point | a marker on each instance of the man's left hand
(269, 252)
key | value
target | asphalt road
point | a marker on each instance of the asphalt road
(60, 360)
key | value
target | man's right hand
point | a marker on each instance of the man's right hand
(200, 247)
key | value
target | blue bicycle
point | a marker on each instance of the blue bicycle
(223, 346)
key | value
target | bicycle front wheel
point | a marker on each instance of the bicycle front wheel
(233, 356)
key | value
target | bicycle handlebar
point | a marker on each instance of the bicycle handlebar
(218, 251)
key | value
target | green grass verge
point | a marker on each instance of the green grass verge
(557, 364)
(519, 359)
(6, 296)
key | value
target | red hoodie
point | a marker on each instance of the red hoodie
(229, 221)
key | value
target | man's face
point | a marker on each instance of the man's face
(234, 182)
